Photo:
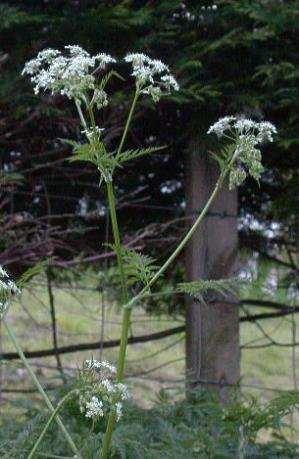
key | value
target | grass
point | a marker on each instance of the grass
(150, 366)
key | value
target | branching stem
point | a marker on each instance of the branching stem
(126, 319)
(50, 420)
(51, 408)
(128, 306)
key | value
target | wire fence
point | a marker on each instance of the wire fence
(99, 316)
(149, 372)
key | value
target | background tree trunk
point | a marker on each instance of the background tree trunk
(212, 330)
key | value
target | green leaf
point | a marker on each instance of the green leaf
(139, 267)
(128, 155)
(198, 289)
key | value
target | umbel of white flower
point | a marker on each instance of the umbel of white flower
(7, 290)
(72, 74)
(152, 76)
(248, 136)
(99, 392)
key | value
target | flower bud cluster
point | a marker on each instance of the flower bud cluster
(99, 392)
(8, 289)
(247, 135)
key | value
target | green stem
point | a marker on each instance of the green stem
(13, 338)
(128, 122)
(184, 241)
(143, 292)
(50, 420)
(81, 116)
(126, 319)
(117, 242)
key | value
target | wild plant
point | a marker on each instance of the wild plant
(84, 80)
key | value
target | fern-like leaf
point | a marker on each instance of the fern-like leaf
(224, 156)
(139, 152)
(139, 267)
(198, 289)
(87, 152)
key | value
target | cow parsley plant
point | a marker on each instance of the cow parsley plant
(84, 78)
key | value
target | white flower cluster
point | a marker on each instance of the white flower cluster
(93, 133)
(210, 7)
(222, 125)
(7, 290)
(262, 131)
(94, 408)
(248, 135)
(100, 365)
(74, 74)
(99, 391)
(71, 75)
(152, 76)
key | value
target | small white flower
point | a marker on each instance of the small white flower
(93, 133)
(100, 393)
(222, 125)
(152, 75)
(154, 91)
(8, 289)
(248, 136)
(3, 272)
(108, 385)
(266, 131)
(118, 409)
(94, 408)
(76, 50)
(170, 82)
(100, 365)
(105, 364)
(104, 59)
(137, 59)
(244, 125)
(100, 98)
(123, 391)
(70, 75)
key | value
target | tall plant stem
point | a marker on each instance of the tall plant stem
(117, 242)
(181, 245)
(126, 319)
(128, 122)
(81, 116)
(51, 408)
(49, 275)
(187, 237)
(50, 420)
(144, 291)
